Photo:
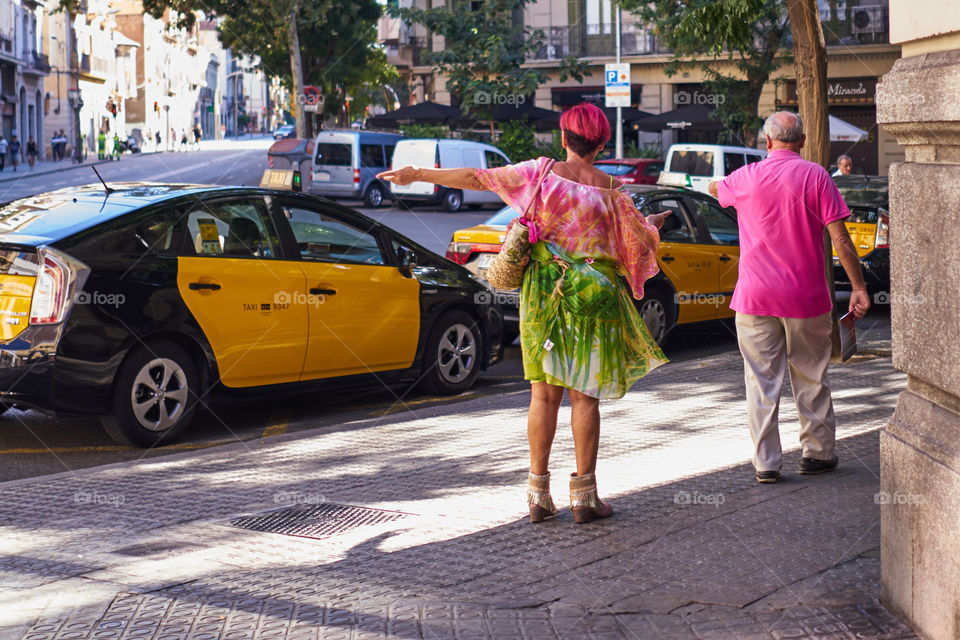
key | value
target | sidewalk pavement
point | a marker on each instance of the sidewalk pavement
(413, 525)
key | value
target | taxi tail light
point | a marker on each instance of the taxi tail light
(460, 252)
(356, 178)
(59, 278)
(882, 240)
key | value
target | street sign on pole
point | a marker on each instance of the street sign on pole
(311, 108)
(617, 85)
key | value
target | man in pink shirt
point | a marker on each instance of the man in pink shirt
(782, 299)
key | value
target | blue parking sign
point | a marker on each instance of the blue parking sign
(611, 76)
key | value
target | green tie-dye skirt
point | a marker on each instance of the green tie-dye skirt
(578, 326)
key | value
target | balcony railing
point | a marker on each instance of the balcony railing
(40, 61)
(595, 41)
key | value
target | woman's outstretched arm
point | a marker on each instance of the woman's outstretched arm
(465, 178)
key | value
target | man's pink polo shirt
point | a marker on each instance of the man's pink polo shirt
(783, 203)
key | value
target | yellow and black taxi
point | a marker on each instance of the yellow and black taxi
(132, 302)
(699, 259)
(869, 226)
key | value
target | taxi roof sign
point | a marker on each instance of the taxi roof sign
(287, 179)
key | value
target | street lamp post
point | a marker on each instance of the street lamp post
(166, 137)
(619, 138)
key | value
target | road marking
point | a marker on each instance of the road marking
(275, 430)
(402, 405)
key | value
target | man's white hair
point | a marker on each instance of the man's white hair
(779, 127)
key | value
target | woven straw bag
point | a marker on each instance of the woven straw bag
(506, 270)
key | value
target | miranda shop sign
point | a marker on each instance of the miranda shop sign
(846, 91)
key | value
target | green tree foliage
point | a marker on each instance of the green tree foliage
(484, 51)
(338, 41)
(749, 33)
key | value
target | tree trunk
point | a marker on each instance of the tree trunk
(296, 69)
(810, 58)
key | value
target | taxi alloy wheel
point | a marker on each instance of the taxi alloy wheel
(452, 360)
(656, 315)
(155, 395)
(160, 394)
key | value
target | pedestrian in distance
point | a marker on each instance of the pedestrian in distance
(183, 140)
(102, 145)
(580, 332)
(3, 152)
(197, 136)
(14, 148)
(115, 149)
(784, 311)
(158, 140)
(32, 152)
(844, 166)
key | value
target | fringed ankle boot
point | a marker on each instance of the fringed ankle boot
(584, 501)
(538, 497)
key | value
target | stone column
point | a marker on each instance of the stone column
(918, 102)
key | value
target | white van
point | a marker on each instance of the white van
(445, 153)
(696, 165)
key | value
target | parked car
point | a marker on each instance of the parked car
(698, 258)
(869, 227)
(285, 131)
(131, 305)
(632, 170)
(695, 166)
(346, 164)
(445, 154)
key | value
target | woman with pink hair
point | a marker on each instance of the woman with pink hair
(579, 331)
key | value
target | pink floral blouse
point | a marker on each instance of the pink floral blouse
(582, 219)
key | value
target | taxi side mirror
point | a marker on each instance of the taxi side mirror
(408, 260)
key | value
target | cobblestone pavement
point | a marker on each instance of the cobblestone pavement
(441, 548)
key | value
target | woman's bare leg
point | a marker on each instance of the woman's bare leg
(585, 419)
(545, 402)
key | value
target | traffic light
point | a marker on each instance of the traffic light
(113, 109)
(297, 181)
(156, 107)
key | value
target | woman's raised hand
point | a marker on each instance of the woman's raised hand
(657, 219)
(402, 176)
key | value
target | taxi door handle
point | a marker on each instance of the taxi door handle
(668, 258)
(725, 258)
(323, 292)
(197, 286)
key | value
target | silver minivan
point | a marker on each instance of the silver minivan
(346, 164)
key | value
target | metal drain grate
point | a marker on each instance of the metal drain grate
(316, 520)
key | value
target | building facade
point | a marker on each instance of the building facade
(858, 48)
(170, 72)
(23, 68)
